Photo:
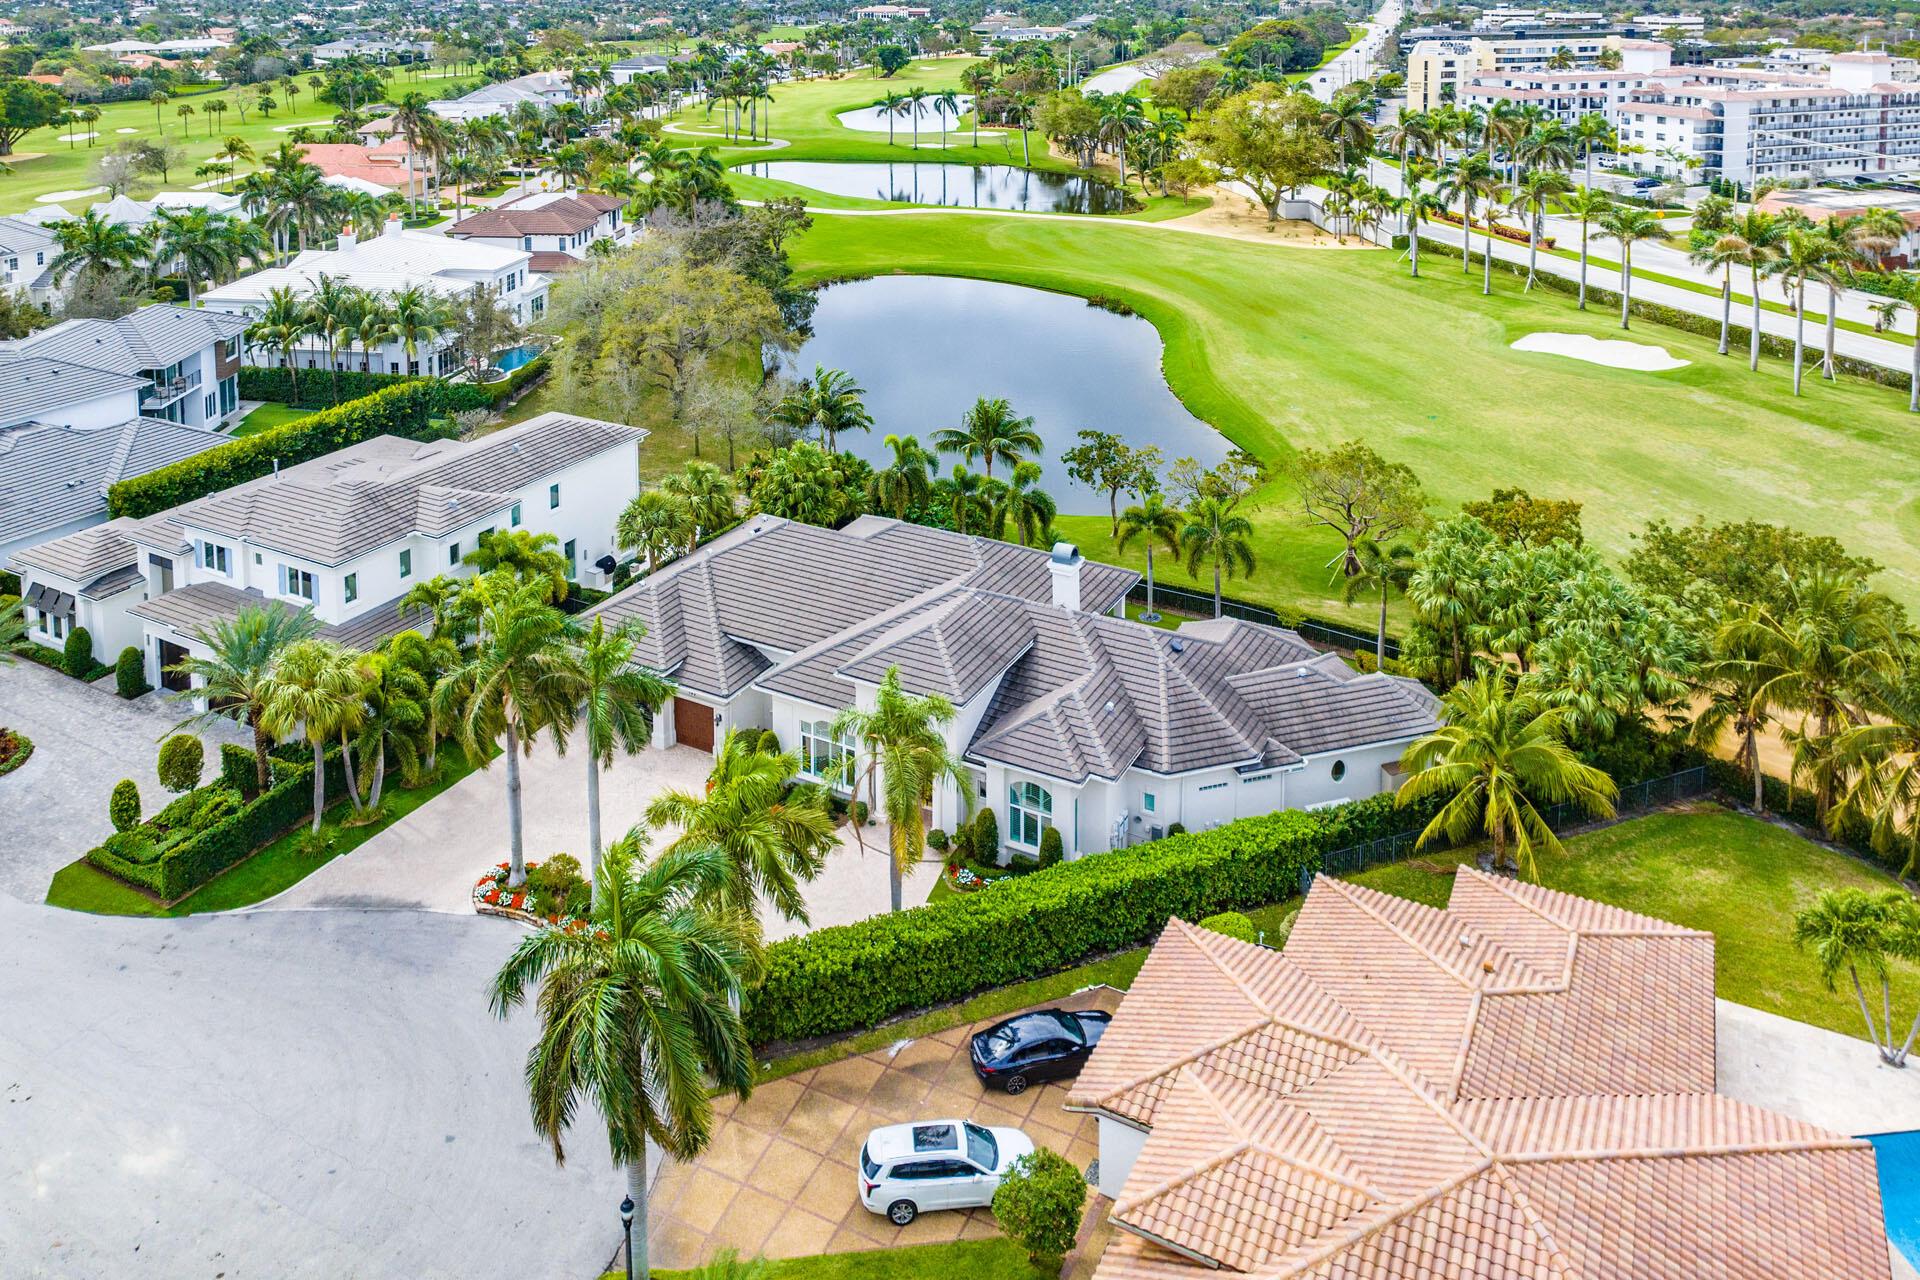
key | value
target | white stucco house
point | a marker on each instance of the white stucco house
(557, 228)
(345, 535)
(1068, 715)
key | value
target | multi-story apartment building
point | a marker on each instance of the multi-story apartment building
(1569, 94)
(1437, 67)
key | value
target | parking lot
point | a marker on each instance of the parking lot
(779, 1177)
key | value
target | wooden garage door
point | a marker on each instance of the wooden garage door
(693, 724)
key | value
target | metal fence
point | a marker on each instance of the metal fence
(1641, 797)
(1199, 604)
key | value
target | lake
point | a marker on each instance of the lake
(874, 119)
(926, 347)
(979, 186)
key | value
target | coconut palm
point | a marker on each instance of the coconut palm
(776, 836)
(533, 558)
(705, 494)
(1214, 535)
(1024, 505)
(94, 245)
(639, 1013)
(1536, 191)
(1850, 930)
(1906, 288)
(1844, 255)
(619, 700)
(829, 402)
(1389, 568)
(1498, 753)
(1588, 205)
(519, 680)
(655, 525)
(201, 244)
(907, 756)
(413, 119)
(1723, 255)
(1154, 524)
(1882, 759)
(906, 481)
(1629, 226)
(235, 676)
(1762, 233)
(315, 687)
(1346, 122)
(988, 432)
(285, 320)
(418, 317)
(892, 107)
(1805, 257)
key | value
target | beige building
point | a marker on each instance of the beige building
(1437, 68)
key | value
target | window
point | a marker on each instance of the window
(1149, 801)
(453, 553)
(406, 564)
(513, 517)
(1029, 812)
(823, 756)
(526, 242)
(1214, 786)
(59, 627)
(573, 561)
(214, 556)
(296, 582)
(352, 585)
(553, 497)
(1339, 770)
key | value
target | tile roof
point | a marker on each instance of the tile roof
(1520, 1085)
(190, 609)
(52, 476)
(35, 387)
(516, 218)
(150, 338)
(552, 262)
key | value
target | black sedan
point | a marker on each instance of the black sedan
(1048, 1044)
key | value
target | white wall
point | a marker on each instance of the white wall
(1120, 1145)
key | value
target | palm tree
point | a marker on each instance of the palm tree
(331, 310)
(1345, 121)
(1024, 505)
(282, 324)
(1215, 535)
(1723, 255)
(906, 758)
(92, 245)
(13, 630)
(705, 494)
(891, 107)
(396, 718)
(961, 496)
(1880, 757)
(159, 98)
(519, 679)
(235, 677)
(1629, 226)
(1390, 568)
(1842, 237)
(1762, 234)
(639, 1013)
(1537, 190)
(1156, 525)
(1737, 699)
(905, 482)
(1851, 930)
(1804, 257)
(618, 704)
(315, 687)
(413, 119)
(1591, 132)
(1473, 181)
(987, 432)
(1498, 752)
(775, 836)
(830, 402)
(945, 103)
(655, 525)
(417, 317)
(1587, 205)
(915, 97)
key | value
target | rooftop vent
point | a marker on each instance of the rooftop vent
(1177, 645)
(1109, 707)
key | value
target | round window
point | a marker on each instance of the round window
(1339, 770)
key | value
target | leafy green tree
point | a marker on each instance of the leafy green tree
(236, 676)
(1213, 535)
(1104, 461)
(806, 483)
(123, 805)
(889, 59)
(1039, 1204)
(1266, 139)
(24, 107)
(1712, 570)
(989, 431)
(315, 688)
(1516, 516)
(619, 702)
(1851, 930)
(1359, 495)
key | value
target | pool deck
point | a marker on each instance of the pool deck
(1819, 1076)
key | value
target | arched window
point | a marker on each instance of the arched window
(823, 756)
(1029, 812)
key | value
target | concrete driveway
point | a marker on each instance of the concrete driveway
(778, 1178)
(430, 859)
(85, 739)
(284, 1095)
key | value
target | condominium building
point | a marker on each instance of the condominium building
(1437, 68)
(1570, 94)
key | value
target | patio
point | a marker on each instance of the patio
(778, 1178)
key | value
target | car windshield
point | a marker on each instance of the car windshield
(981, 1148)
(1071, 1025)
(867, 1165)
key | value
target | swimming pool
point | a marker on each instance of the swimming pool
(1898, 1155)
(513, 357)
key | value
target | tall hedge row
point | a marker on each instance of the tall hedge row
(858, 975)
(408, 410)
(315, 386)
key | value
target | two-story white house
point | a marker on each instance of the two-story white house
(27, 251)
(189, 359)
(556, 227)
(1068, 715)
(346, 535)
(385, 264)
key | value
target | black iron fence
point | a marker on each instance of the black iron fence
(1199, 604)
(1640, 797)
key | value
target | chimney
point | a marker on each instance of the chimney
(393, 224)
(347, 237)
(1063, 567)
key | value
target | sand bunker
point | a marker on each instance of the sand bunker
(55, 197)
(1639, 356)
(78, 137)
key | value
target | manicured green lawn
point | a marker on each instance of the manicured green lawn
(1281, 348)
(998, 1259)
(79, 886)
(1737, 877)
(268, 415)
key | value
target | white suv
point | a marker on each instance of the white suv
(943, 1164)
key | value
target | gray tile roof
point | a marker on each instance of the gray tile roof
(34, 387)
(112, 584)
(83, 556)
(186, 610)
(151, 338)
(54, 475)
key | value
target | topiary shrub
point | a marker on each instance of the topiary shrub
(937, 840)
(123, 807)
(860, 813)
(182, 760)
(769, 742)
(557, 887)
(1039, 1204)
(130, 673)
(986, 836)
(1232, 924)
(1176, 829)
(1052, 848)
(239, 769)
(77, 655)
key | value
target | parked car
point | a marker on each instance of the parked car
(1645, 184)
(1048, 1044)
(906, 1169)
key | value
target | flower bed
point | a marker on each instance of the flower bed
(1511, 234)
(965, 880)
(492, 897)
(15, 747)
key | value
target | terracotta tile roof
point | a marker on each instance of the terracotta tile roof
(1519, 1086)
(551, 262)
(550, 218)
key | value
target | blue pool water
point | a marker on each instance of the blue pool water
(1899, 1160)
(513, 357)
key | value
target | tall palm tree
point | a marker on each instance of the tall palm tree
(397, 718)
(1591, 133)
(830, 402)
(639, 1013)
(891, 107)
(1844, 255)
(417, 317)
(1737, 698)
(1024, 505)
(1723, 255)
(1805, 257)
(315, 687)
(1473, 181)
(1155, 524)
(1629, 226)
(906, 481)
(989, 431)
(235, 677)
(1762, 234)
(1498, 752)
(776, 836)
(1388, 568)
(1346, 122)
(907, 756)
(413, 119)
(331, 312)
(1850, 930)
(93, 245)
(1588, 205)
(619, 700)
(1536, 191)
(282, 324)
(1214, 535)
(1882, 757)
(519, 680)
(914, 100)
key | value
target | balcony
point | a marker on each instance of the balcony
(162, 392)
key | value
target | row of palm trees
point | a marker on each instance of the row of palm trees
(344, 316)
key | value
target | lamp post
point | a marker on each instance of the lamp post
(626, 1229)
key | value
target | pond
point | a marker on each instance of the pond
(874, 119)
(926, 347)
(965, 186)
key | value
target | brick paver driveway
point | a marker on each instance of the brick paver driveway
(778, 1178)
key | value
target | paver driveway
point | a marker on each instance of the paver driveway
(778, 1178)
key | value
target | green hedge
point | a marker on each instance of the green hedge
(858, 975)
(316, 386)
(192, 863)
(239, 768)
(510, 385)
(409, 409)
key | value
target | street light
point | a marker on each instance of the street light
(626, 1229)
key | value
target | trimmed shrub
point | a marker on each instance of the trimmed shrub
(1233, 925)
(1039, 1204)
(558, 887)
(1176, 828)
(315, 386)
(769, 742)
(937, 840)
(182, 760)
(239, 768)
(860, 813)
(9, 583)
(77, 655)
(986, 836)
(1052, 848)
(130, 673)
(123, 806)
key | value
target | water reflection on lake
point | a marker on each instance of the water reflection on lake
(966, 186)
(926, 347)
